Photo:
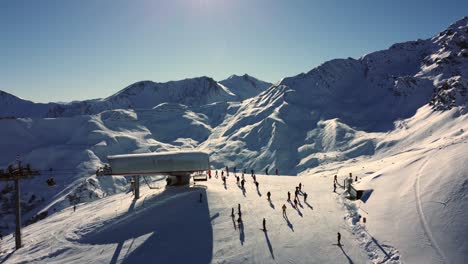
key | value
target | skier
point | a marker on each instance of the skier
(242, 183)
(222, 173)
(252, 171)
(266, 171)
(296, 193)
(276, 171)
(305, 197)
(238, 208)
(232, 212)
(201, 196)
(335, 180)
(295, 202)
(74, 207)
(284, 209)
(224, 180)
(334, 187)
(289, 196)
(216, 175)
(237, 178)
(264, 225)
(209, 174)
(300, 187)
(268, 195)
(355, 179)
(339, 238)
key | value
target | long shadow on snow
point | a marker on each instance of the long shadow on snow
(178, 225)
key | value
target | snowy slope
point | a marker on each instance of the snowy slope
(171, 226)
(245, 86)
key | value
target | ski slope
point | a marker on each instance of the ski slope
(171, 226)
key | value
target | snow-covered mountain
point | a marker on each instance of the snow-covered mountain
(245, 86)
(394, 109)
(141, 95)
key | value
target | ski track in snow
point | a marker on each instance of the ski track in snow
(422, 218)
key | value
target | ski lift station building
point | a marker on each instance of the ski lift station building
(177, 165)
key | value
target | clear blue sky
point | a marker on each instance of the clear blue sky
(67, 50)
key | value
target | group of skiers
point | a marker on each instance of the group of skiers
(298, 191)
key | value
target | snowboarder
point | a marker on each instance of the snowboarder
(289, 196)
(232, 212)
(256, 184)
(276, 171)
(339, 238)
(300, 187)
(305, 197)
(264, 225)
(335, 180)
(284, 209)
(268, 195)
(334, 187)
(266, 171)
(201, 196)
(242, 184)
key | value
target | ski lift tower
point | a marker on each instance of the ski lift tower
(17, 173)
(177, 165)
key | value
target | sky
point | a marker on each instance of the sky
(64, 50)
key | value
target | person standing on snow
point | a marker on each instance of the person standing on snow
(264, 225)
(266, 171)
(339, 238)
(238, 209)
(289, 196)
(300, 187)
(296, 194)
(295, 202)
(242, 184)
(284, 209)
(237, 178)
(335, 180)
(334, 187)
(269, 196)
(305, 197)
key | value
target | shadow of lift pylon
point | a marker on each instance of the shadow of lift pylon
(178, 166)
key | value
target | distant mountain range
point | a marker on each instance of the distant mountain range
(142, 95)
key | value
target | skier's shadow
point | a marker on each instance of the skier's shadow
(241, 233)
(290, 225)
(310, 206)
(350, 261)
(272, 205)
(258, 192)
(270, 247)
(299, 212)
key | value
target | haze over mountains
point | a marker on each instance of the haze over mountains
(409, 97)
